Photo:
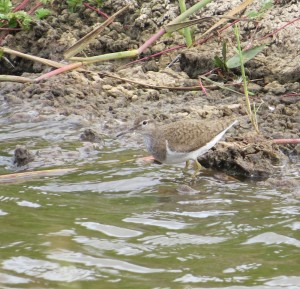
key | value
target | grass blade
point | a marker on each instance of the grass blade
(234, 61)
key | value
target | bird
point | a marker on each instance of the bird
(180, 141)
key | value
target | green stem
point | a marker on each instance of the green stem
(190, 11)
(187, 30)
(252, 115)
(106, 57)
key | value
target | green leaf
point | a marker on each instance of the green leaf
(3, 17)
(5, 6)
(234, 61)
(42, 13)
(23, 18)
(218, 62)
(265, 6)
(72, 4)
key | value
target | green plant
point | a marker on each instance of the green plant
(266, 5)
(5, 6)
(248, 54)
(222, 62)
(42, 13)
(233, 62)
(187, 30)
(19, 19)
(251, 111)
(72, 4)
(15, 19)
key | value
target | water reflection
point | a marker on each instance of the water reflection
(75, 257)
(109, 230)
(46, 270)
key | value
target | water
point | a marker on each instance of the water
(119, 223)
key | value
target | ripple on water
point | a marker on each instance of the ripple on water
(47, 270)
(242, 268)
(173, 239)
(48, 130)
(288, 210)
(10, 279)
(110, 230)
(168, 224)
(63, 233)
(205, 201)
(190, 278)
(120, 247)
(2, 213)
(294, 226)
(74, 257)
(204, 214)
(28, 204)
(134, 184)
(270, 238)
(290, 282)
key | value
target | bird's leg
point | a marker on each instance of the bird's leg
(198, 167)
(187, 164)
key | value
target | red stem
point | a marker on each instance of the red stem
(34, 8)
(277, 30)
(228, 25)
(151, 40)
(290, 95)
(10, 29)
(202, 87)
(286, 140)
(65, 68)
(96, 10)
(21, 6)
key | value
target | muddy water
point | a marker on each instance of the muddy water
(119, 223)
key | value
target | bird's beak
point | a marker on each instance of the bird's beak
(126, 131)
(122, 133)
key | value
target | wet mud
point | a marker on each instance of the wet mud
(104, 93)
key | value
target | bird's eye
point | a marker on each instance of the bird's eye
(145, 122)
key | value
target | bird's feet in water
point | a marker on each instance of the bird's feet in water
(197, 167)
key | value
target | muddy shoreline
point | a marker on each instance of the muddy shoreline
(113, 103)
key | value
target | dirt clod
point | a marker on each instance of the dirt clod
(22, 156)
(91, 136)
(252, 157)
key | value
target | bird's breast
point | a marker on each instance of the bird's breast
(156, 147)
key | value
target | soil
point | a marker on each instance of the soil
(95, 96)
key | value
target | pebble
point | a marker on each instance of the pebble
(275, 87)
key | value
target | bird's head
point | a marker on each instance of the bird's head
(141, 124)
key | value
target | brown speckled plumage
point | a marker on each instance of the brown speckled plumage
(183, 136)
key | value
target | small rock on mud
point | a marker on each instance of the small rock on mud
(91, 136)
(22, 156)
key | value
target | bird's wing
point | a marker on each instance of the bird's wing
(191, 135)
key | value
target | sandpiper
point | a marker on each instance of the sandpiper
(182, 140)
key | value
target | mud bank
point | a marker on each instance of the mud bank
(99, 94)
